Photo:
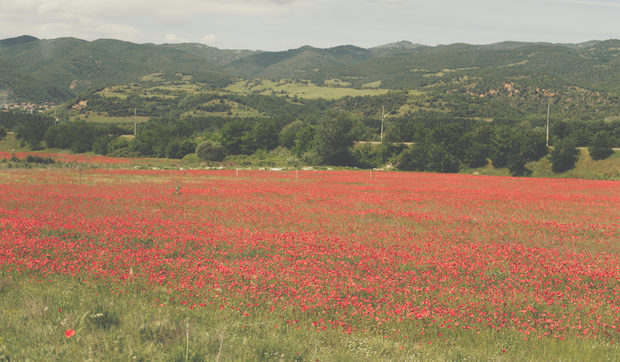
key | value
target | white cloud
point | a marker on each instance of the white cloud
(130, 7)
(587, 3)
(174, 39)
(209, 39)
(281, 24)
(387, 1)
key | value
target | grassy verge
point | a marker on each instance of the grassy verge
(585, 168)
(136, 323)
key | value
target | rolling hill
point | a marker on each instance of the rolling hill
(581, 77)
(56, 70)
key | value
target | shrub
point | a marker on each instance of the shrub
(601, 146)
(564, 156)
(211, 151)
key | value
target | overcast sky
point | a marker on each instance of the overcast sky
(286, 24)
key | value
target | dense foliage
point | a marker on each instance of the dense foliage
(564, 155)
(314, 132)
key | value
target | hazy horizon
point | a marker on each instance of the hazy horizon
(288, 24)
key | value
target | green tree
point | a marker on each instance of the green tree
(333, 139)
(2, 133)
(478, 145)
(440, 160)
(117, 145)
(414, 158)
(151, 140)
(237, 138)
(601, 146)
(501, 147)
(211, 151)
(367, 156)
(178, 148)
(475, 155)
(564, 155)
(32, 130)
(100, 145)
(288, 134)
(303, 139)
(390, 152)
(514, 147)
(266, 134)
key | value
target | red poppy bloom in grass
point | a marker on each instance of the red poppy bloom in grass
(69, 333)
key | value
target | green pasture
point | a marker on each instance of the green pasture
(104, 118)
(236, 110)
(585, 168)
(293, 88)
(159, 91)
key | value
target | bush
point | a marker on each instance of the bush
(427, 157)
(412, 159)
(116, 144)
(100, 145)
(601, 146)
(211, 151)
(288, 134)
(367, 156)
(333, 139)
(439, 160)
(179, 148)
(564, 156)
(475, 156)
(40, 160)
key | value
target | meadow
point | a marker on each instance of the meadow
(303, 265)
(299, 89)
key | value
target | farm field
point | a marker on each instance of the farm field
(341, 265)
(104, 118)
(299, 89)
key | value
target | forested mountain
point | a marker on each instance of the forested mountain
(444, 108)
(305, 63)
(216, 56)
(58, 69)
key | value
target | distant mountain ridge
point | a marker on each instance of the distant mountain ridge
(59, 69)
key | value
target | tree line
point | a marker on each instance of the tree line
(437, 141)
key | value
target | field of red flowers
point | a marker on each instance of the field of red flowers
(409, 256)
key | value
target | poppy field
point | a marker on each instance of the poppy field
(305, 265)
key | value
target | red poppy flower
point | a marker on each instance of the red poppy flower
(69, 333)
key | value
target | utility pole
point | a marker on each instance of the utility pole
(548, 109)
(382, 120)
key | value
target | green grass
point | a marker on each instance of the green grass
(117, 92)
(373, 85)
(10, 143)
(104, 118)
(585, 168)
(135, 322)
(236, 110)
(336, 83)
(299, 89)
